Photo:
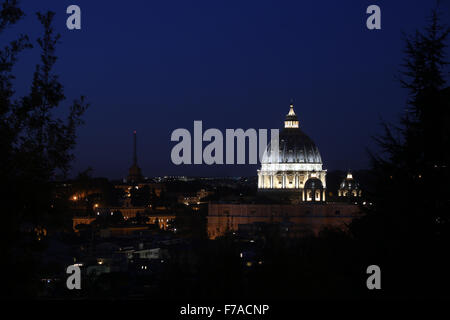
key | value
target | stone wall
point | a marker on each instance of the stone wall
(228, 217)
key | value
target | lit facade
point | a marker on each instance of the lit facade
(311, 218)
(296, 167)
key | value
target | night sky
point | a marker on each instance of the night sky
(154, 66)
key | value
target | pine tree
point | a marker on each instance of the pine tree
(409, 223)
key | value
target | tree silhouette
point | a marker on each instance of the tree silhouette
(35, 146)
(409, 223)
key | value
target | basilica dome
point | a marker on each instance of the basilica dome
(292, 163)
(294, 145)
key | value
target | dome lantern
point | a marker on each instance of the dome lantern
(291, 118)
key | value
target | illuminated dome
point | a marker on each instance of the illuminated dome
(313, 183)
(349, 187)
(294, 147)
(297, 162)
(349, 183)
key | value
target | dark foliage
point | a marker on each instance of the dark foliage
(35, 147)
(408, 228)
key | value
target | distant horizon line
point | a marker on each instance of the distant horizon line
(202, 176)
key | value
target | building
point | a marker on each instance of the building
(309, 217)
(349, 188)
(134, 173)
(295, 167)
(162, 219)
(193, 198)
(154, 189)
(291, 171)
(135, 180)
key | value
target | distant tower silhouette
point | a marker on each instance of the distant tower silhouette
(134, 174)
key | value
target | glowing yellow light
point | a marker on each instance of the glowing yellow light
(74, 198)
(291, 124)
(291, 110)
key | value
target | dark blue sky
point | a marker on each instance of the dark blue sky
(154, 66)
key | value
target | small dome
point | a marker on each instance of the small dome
(313, 183)
(349, 183)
